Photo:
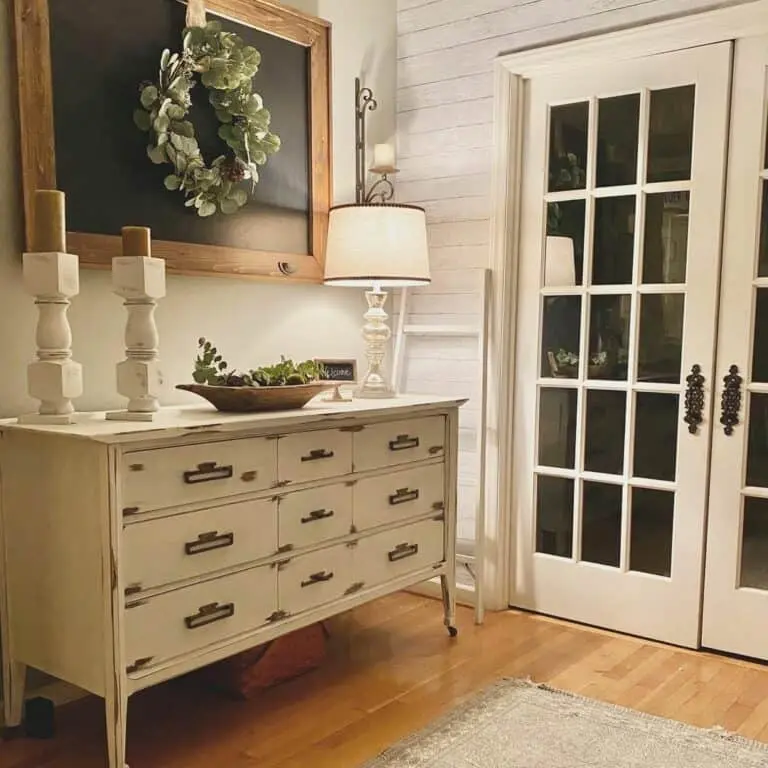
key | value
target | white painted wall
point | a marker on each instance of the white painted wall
(252, 323)
(446, 50)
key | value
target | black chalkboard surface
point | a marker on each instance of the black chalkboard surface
(100, 54)
(339, 370)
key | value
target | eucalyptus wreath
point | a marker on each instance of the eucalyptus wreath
(226, 67)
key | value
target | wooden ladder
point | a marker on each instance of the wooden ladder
(473, 562)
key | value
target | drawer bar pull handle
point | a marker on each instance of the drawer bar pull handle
(403, 551)
(209, 614)
(317, 578)
(318, 455)
(318, 514)
(207, 542)
(403, 496)
(208, 471)
(403, 443)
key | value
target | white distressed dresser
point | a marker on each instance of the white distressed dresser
(137, 552)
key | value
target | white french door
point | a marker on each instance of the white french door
(623, 184)
(736, 585)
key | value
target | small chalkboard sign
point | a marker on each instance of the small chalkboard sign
(339, 370)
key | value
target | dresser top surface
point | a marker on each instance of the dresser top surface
(186, 419)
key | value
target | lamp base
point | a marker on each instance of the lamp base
(377, 334)
(372, 391)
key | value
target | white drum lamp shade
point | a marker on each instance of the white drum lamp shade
(377, 244)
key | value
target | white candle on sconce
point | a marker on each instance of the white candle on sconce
(383, 158)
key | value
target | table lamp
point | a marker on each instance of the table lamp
(376, 246)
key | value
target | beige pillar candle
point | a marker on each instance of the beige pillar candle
(137, 241)
(49, 234)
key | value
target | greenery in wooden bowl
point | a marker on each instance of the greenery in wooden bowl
(212, 369)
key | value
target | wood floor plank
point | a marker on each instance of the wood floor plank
(391, 670)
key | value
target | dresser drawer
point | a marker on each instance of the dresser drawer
(385, 556)
(158, 552)
(399, 496)
(319, 514)
(188, 619)
(399, 442)
(169, 477)
(315, 455)
(315, 579)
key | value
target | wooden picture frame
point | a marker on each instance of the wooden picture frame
(38, 160)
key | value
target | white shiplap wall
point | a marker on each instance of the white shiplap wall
(446, 50)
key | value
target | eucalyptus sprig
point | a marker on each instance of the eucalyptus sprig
(226, 67)
(211, 368)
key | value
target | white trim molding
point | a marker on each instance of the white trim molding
(511, 73)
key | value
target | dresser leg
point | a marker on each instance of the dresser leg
(14, 685)
(117, 720)
(448, 585)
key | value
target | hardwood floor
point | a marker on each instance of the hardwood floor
(391, 670)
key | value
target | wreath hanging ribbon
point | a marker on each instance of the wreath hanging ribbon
(226, 67)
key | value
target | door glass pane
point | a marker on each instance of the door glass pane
(557, 427)
(601, 524)
(754, 544)
(568, 132)
(617, 134)
(666, 237)
(656, 419)
(609, 337)
(614, 240)
(561, 333)
(650, 544)
(757, 448)
(670, 140)
(564, 249)
(604, 441)
(661, 337)
(760, 350)
(762, 268)
(554, 516)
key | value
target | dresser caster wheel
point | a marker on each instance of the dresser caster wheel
(452, 631)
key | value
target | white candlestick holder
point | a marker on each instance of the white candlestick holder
(53, 378)
(140, 281)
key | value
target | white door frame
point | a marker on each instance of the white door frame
(511, 71)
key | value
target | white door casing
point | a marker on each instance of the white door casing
(513, 70)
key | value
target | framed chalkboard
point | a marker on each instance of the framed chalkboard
(79, 76)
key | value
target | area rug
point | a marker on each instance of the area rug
(517, 724)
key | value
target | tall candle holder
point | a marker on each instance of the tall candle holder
(51, 275)
(140, 280)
